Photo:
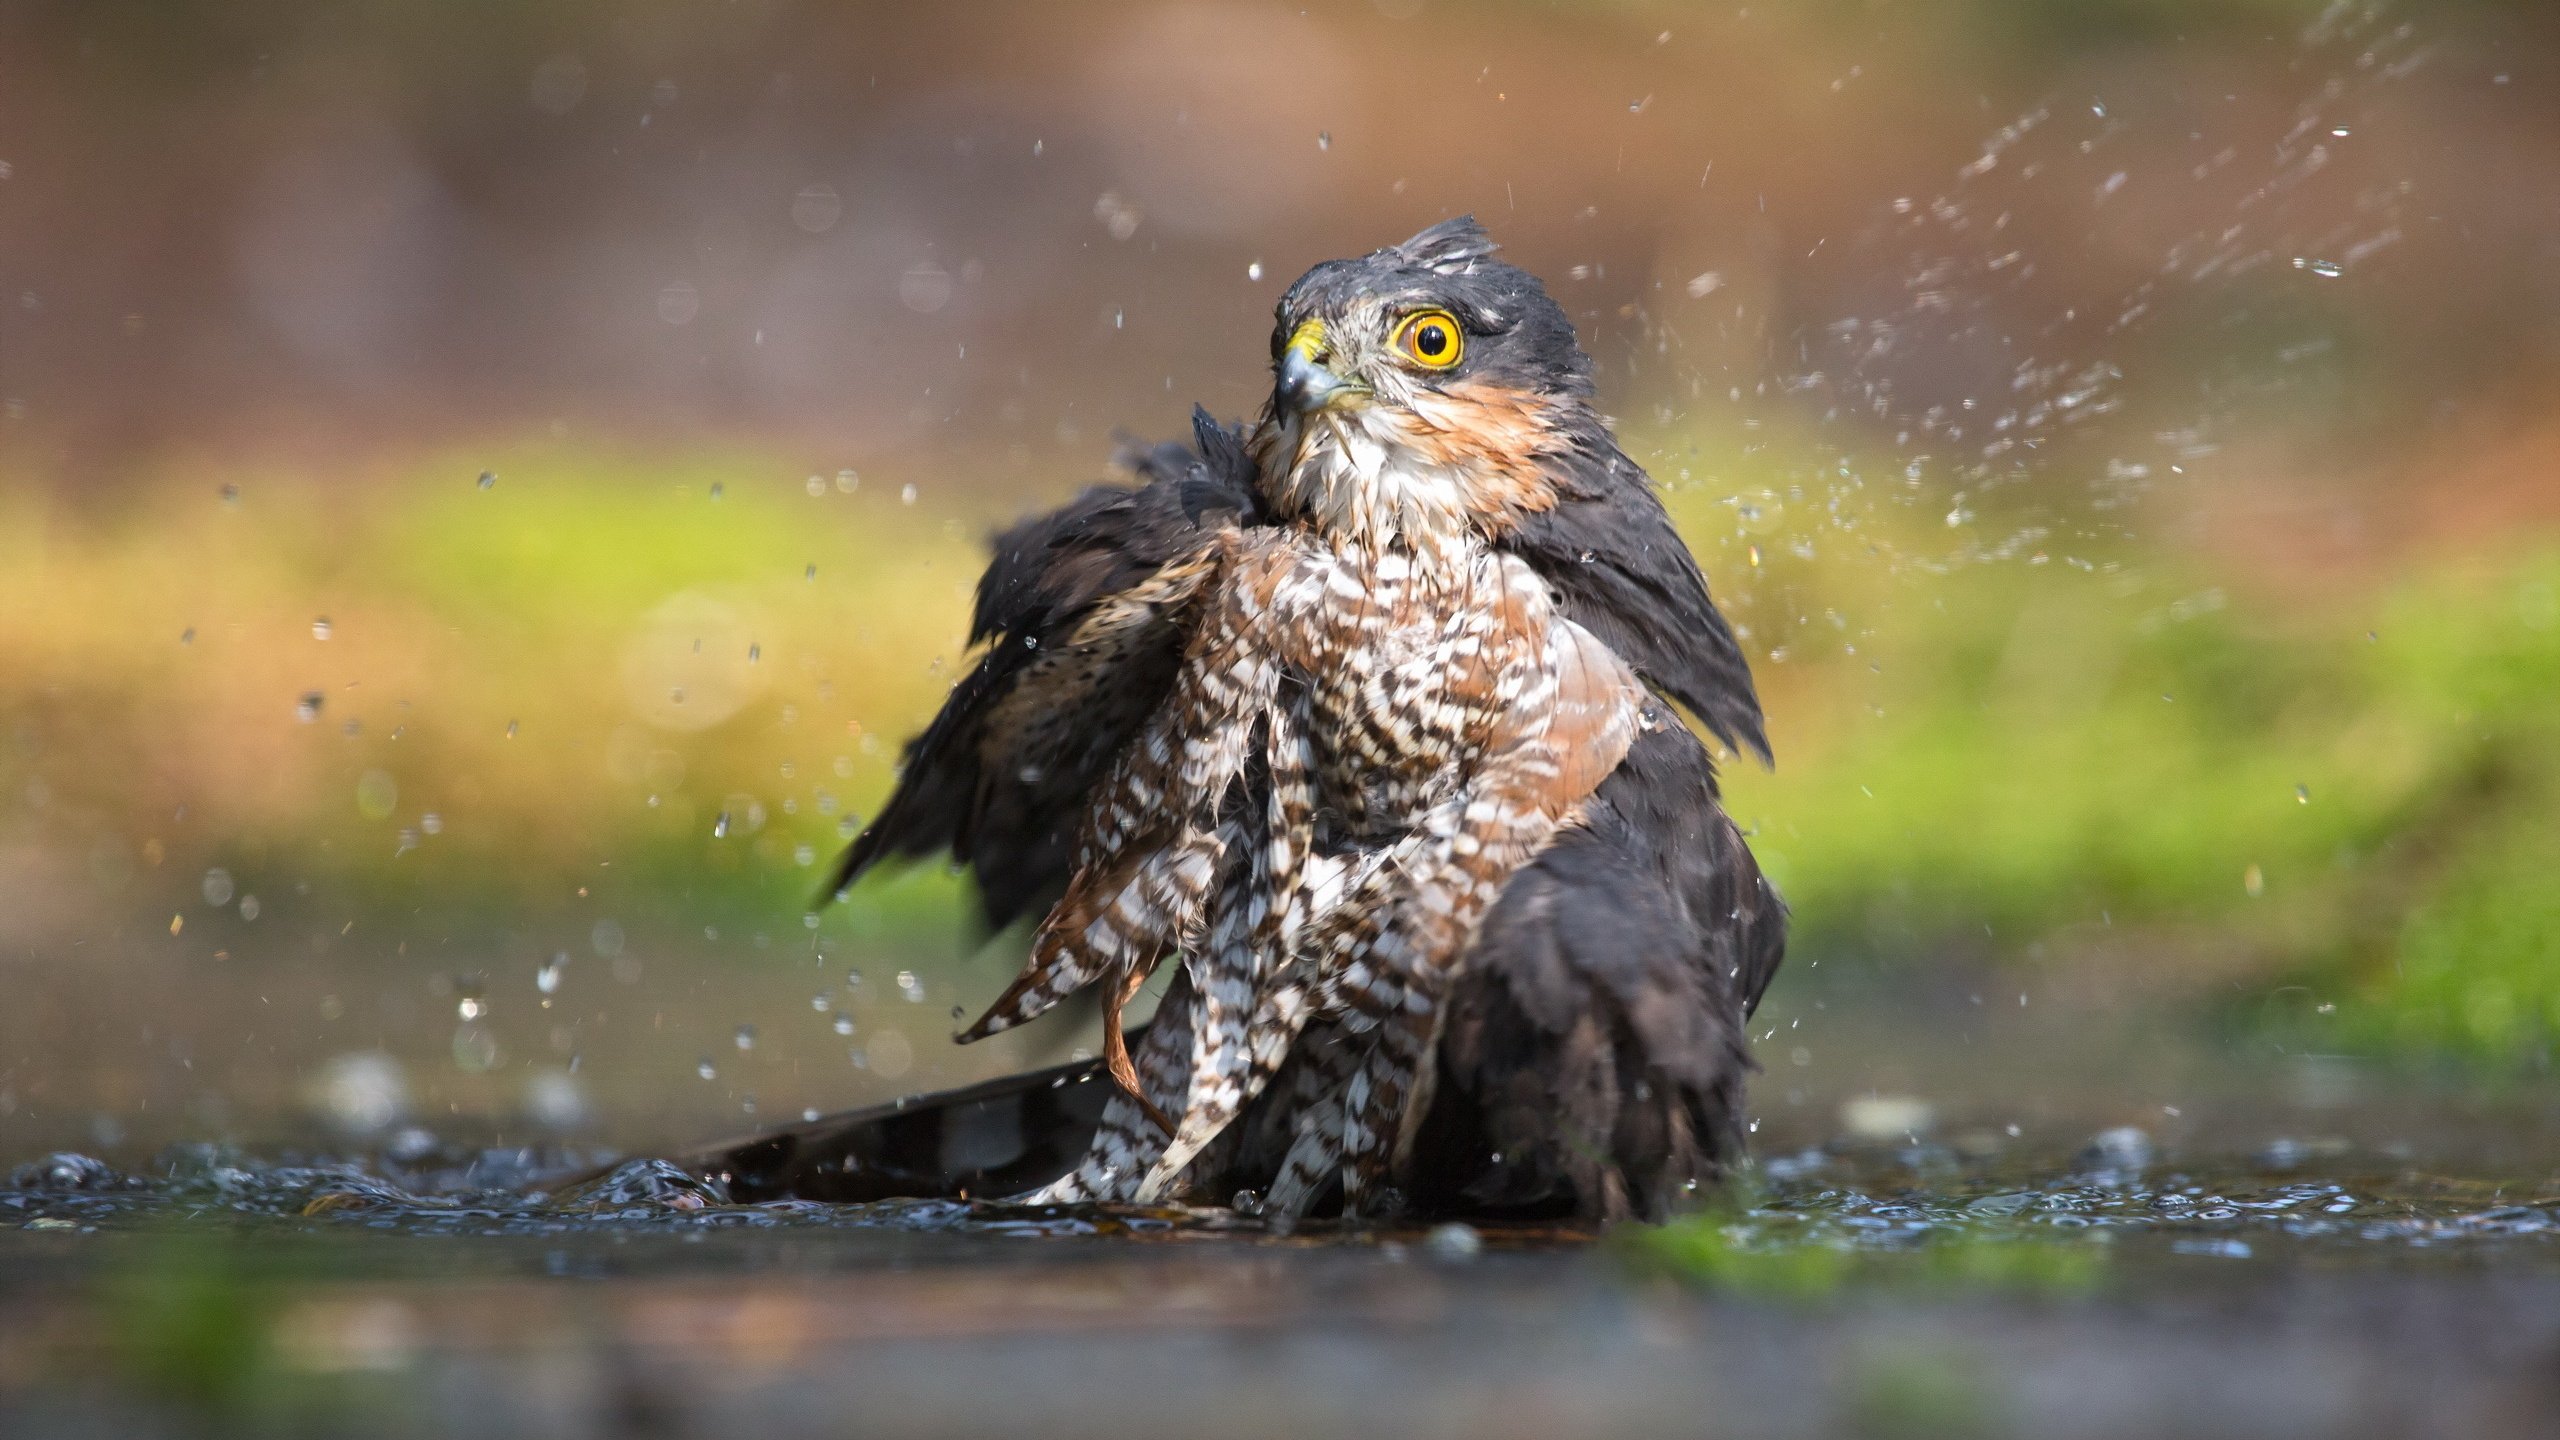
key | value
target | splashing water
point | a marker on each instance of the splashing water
(1978, 370)
(1853, 1199)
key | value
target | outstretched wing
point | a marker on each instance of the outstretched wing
(1080, 615)
(1608, 547)
(1592, 1063)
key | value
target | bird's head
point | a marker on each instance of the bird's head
(1417, 392)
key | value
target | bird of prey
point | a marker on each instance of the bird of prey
(1369, 718)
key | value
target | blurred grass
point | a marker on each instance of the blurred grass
(579, 668)
(564, 680)
(2349, 798)
(1722, 1250)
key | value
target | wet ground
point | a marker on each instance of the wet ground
(1867, 1285)
(2097, 1213)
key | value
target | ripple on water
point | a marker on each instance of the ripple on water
(1845, 1200)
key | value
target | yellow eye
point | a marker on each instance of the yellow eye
(1431, 339)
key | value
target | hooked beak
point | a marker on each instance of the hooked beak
(1305, 385)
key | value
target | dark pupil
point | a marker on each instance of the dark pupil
(1430, 341)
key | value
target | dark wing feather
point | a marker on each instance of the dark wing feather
(1593, 1059)
(1592, 1063)
(999, 777)
(1003, 1137)
(1609, 549)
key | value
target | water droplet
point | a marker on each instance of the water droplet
(924, 288)
(488, 479)
(1455, 1240)
(810, 574)
(718, 489)
(217, 886)
(2325, 269)
(844, 1025)
(231, 495)
(720, 827)
(559, 83)
(816, 485)
(848, 481)
(432, 823)
(704, 1068)
(853, 980)
(470, 1007)
(547, 979)
(906, 494)
(308, 708)
(816, 208)
(1253, 271)
(248, 907)
(2302, 794)
(363, 1092)
(553, 1100)
(320, 628)
(1324, 139)
(821, 1002)
(804, 856)
(475, 1048)
(2254, 880)
(911, 987)
(377, 795)
(746, 1037)
(679, 302)
(187, 636)
(1118, 216)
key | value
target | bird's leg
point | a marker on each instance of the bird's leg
(1115, 1045)
(1234, 1050)
(1125, 1144)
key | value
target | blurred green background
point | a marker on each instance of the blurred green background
(486, 489)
